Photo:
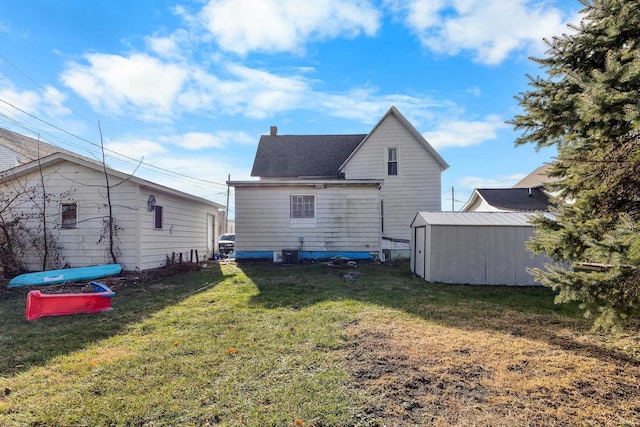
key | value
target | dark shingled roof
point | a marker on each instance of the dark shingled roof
(517, 199)
(294, 156)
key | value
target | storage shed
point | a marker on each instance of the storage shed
(477, 248)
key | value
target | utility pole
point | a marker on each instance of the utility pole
(453, 199)
(226, 214)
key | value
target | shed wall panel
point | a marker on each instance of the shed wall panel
(494, 255)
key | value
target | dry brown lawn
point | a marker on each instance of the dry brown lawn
(507, 370)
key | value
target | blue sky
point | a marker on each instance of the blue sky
(188, 86)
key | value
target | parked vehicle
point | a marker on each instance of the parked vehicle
(226, 243)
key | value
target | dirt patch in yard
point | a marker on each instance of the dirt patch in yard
(426, 374)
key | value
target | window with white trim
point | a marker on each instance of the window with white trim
(392, 161)
(303, 206)
(69, 213)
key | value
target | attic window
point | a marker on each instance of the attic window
(69, 212)
(392, 161)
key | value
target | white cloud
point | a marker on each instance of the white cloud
(171, 46)
(490, 29)
(242, 26)
(49, 103)
(252, 92)
(111, 83)
(201, 140)
(135, 148)
(506, 181)
(461, 133)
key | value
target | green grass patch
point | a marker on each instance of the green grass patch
(260, 345)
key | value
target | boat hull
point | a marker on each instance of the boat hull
(51, 277)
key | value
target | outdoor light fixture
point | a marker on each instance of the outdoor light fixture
(151, 202)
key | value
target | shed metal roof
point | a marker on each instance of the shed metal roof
(515, 219)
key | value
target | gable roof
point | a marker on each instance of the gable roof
(303, 155)
(56, 158)
(512, 199)
(412, 130)
(537, 178)
(314, 156)
(28, 149)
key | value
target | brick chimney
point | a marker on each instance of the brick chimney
(273, 131)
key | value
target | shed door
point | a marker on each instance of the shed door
(419, 257)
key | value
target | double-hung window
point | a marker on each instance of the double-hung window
(392, 162)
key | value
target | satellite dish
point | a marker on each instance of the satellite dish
(151, 202)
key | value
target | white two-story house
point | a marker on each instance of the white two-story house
(337, 195)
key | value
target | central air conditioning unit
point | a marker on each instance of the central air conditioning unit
(290, 256)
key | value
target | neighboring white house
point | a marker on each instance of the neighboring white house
(327, 195)
(477, 248)
(508, 200)
(153, 222)
(531, 194)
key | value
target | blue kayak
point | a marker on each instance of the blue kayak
(51, 277)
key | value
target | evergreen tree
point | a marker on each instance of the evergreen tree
(588, 106)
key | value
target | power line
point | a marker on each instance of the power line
(111, 151)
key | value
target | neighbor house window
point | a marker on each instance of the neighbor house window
(392, 161)
(69, 215)
(303, 206)
(158, 217)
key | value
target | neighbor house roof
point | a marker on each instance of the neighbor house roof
(57, 158)
(27, 148)
(512, 199)
(537, 178)
(303, 155)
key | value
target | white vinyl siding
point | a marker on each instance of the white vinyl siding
(8, 159)
(347, 219)
(185, 226)
(138, 245)
(416, 188)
